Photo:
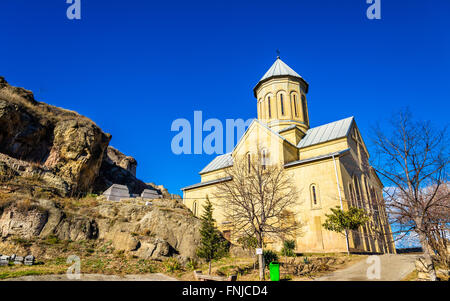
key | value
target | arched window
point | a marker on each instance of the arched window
(315, 201)
(194, 208)
(268, 105)
(358, 194)
(305, 114)
(352, 195)
(295, 105)
(282, 104)
(314, 195)
(260, 107)
(264, 159)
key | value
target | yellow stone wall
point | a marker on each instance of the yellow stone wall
(274, 89)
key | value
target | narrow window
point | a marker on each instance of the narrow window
(282, 104)
(314, 195)
(264, 158)
(268, 104)
(194, 208)
(249, 162)
(352, 195)
(358, 195)
(295, 105)
(315, 202)
(305, 114)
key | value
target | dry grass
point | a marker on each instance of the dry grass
(95, 258)
(43, 110)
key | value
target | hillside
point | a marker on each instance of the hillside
(48, 149)
(53, 164)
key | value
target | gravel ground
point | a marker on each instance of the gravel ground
(393, 267)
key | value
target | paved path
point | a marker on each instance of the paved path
(96, 277)
(393, 267)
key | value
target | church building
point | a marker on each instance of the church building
(328, 164)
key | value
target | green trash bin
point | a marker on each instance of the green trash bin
(274, 268)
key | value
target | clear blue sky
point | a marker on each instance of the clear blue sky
(134, 66)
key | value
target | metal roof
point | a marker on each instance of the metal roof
(287, 128)
(338, 153)
(207, 183)
(323, 133)
(279, 68)
(218, 162)
(326, 132)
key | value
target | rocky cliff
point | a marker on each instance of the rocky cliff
(166, 228)
(45, 147)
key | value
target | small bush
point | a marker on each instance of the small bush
(171, 265)
(269, 256)
(52, 240)
(192, 264)
(288, 248)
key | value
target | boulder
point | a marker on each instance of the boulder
(22, 222)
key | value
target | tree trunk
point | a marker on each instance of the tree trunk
(346, 241)
(427, 256)
(261, 267)
(260, 257)
(209, 270)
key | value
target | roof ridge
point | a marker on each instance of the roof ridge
(332, 122)
(327, 132)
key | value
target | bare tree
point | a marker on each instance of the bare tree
(413, 160)
(438, 233)
(258, 200)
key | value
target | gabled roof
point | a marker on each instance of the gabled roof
(316, 135)
(218, 162)
(327, 132)
(272, 131)
(226, 160)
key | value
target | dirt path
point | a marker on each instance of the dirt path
(96, 277)
(393, 267)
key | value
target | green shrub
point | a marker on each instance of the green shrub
(269, 256)
(171, 265)
(288, 248)
(192, 264)
(52, 240)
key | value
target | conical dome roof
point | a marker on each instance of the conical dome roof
(279, 69)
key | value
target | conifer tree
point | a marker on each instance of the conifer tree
(212, 244)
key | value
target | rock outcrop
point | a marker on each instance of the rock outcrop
(165, 228)
(113, 156)
(64, 152)
(117, 168)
